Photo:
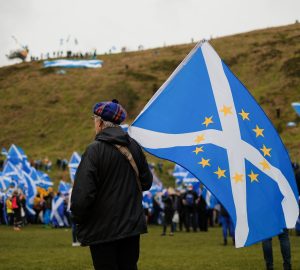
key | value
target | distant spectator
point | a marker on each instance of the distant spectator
(176, 205)
(64, 164)
(147, 205)
(168, 213)
(189, 201)
(9, 211)
(47, 206)
(227, 225)
(37, 207)
(47, 164)
(202, 214)
(75, 242)
(2, 210)
(1, 163)
(16, 205)
(58, 163)
(157, 210)
(22, 198)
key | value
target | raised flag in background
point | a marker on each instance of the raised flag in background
(204, 119)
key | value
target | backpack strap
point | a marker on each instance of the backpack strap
(126, 152)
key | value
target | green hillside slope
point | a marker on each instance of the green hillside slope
(49, 114)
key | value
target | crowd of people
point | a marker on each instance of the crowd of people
(67, 54)
(16, 213)
(186, 210)
(46, 164)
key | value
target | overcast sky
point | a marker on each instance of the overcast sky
(101, 24)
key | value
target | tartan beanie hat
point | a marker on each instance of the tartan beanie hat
(110, 111)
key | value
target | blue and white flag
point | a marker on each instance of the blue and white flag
(4, 181)
(30, 191)
(73, 63)
(296, 106)
(179, 173)
(190, 179)
(14, 155)
(204, 119)
(73, 165)
(57, 216)
(209, 198)
(4, 152)
(44, 180)
(64, 187)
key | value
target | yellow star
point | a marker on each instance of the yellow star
(265, 165)
(266, 150)
(204, 162)
(208, 120)
(199, 139)
(253, 177)
(238, 178)
(258, 131)
(226, 110)
(220, 173)
(244, 115)
(198, 149)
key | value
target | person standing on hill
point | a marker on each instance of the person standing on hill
(168, 213)
(17, 206)
(9, 211)
(106, 201)
(227, 225)
(190, 199)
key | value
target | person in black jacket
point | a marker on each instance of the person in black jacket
(168, 213)
(106, 202)
(190, 200)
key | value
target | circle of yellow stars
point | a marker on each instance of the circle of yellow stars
(221, 173)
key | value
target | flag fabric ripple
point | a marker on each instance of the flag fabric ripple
(204, 119)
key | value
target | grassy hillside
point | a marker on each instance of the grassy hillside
(49, 114)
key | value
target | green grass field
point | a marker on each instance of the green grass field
(38, 248)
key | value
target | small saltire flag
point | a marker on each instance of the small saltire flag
(64, 187)
(57, 216)
(296, 106)
(209, 198)
(73, 165)
(204, 119)
(190, 179)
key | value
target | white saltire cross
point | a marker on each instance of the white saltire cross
(54, 213)
(230, 139)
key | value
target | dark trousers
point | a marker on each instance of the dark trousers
(227, 225)
(284, 247)
(191, 219)
(74, 231)
(165, 228)
(117, 255)
(203, 220)
(10, 219)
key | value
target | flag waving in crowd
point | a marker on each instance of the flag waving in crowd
(204, 119)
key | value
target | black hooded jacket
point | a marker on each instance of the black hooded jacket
(106, 202)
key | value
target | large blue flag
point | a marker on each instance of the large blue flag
(204, 119)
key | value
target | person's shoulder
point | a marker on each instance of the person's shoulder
(94, 148)
(136, 145)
